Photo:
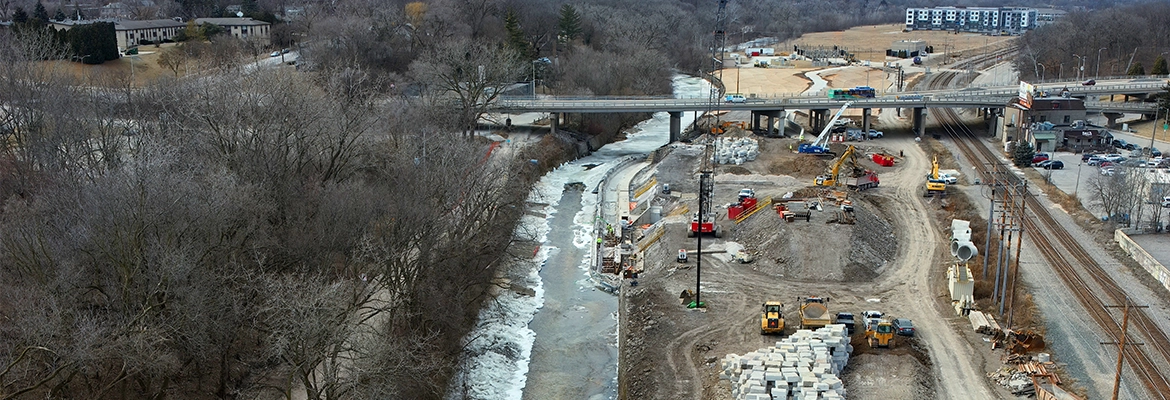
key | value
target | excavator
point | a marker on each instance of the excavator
(935, 185)
(865, 179)
(831, 178)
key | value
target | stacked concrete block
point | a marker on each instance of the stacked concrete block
(802, 366)
(736, 151)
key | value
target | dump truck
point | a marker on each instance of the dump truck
(866, 180)
(880, 334)
(772, 318)
(814, 312)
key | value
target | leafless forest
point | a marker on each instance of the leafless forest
(249, 233)
(1115, 41)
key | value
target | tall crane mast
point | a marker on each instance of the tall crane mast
(718, 52)
(706, 217)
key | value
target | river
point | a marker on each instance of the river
(560, 339)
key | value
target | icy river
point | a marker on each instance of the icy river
(556, 337)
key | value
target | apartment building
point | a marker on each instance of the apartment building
(988, 20)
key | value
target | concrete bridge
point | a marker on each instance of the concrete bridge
(993, 99)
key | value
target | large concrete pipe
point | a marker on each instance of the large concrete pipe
(963, 250)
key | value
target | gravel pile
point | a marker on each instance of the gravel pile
(802, 366)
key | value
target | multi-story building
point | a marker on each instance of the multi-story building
(989, 20)
(241, 28)
(134, 33)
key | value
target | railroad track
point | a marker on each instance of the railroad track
(1081, 275)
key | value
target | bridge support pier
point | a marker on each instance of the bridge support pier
(675, 126)
(554, 120)
(865, 122)
(1111, 118)
(919, 117)
(816, 119)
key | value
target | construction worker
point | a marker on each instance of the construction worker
(901, 154)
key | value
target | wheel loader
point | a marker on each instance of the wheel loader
(772, 319)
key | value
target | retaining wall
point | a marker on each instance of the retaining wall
(1147, 261)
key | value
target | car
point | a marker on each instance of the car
(904, 326)
(736, 98)
(1039, 157)
(1042, 164)
(682, 256)
(284, 50)
(1131, 146)
(1105, 164)
(275, 54)
(949, 179)
(1119, 143)
(1154, 152)
(1089, 82)
(871, 318)
(845, 318)
(1166, 201)
(1054, 164)
(1085, 157)
(874, 134)
(1114, 158)
(1107, 171)
(746, 193)
(1095, 161)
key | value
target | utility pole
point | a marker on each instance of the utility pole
(1019, 243)
(1121, 343)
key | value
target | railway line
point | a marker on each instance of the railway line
(1081, 273)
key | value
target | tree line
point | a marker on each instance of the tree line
(1125, 40)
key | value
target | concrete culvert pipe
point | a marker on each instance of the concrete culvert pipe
(963, 250)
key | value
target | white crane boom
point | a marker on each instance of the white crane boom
(823, 139)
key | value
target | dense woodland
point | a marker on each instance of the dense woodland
(1127, 40)
(229, 232)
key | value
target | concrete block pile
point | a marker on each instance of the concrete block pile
(799, 367)
(732, 150)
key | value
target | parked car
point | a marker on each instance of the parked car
(1089, 82)
(1039, 157)
(1085, 157)
(1114, 158)
(874, 134)
(1105, 164)
(1131, 146)
(1042, 164)
(1166, 201)
(1054, 164)
(1095, 161)
(904, 327)
(1119, 143)
(1107, 171)
(275, 54)
(871, 317)
(846, 319)
(949, 179)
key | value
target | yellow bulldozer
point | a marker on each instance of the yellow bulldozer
(880, 333)
(772, 319)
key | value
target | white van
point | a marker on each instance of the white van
(735, 98)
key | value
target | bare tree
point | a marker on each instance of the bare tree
(469, 76)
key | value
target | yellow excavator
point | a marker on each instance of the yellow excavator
(831, 178)
(935, 185)
(772, 319)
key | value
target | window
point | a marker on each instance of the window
(1067, 119)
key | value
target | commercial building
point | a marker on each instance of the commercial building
(1052, 123)
(242, 28)
(134, 33)
(989, 20)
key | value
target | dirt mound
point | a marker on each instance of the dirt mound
(817, 251)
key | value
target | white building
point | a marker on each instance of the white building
(990, 20)
(242, 28)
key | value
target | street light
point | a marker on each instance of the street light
(1098, 74)
(1078, 186)
(1042, 69)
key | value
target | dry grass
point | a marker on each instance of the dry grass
(870, 42)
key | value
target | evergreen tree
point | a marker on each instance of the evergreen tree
(1136, 69)
(19, 16)
(569, 25)
(516, 38)
(1160, 67)
(40, 13)
(59, 16)
(1022, 154)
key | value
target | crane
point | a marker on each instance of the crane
(831, 179)
(821, 144)
(935, 185)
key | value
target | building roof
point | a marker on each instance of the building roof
(1057, 103)
(231, 21)
(148, 24)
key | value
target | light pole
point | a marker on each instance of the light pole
(534, 78)
(1042, 70)
(1078, 186)
(1060, 76)
(1098, 74)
